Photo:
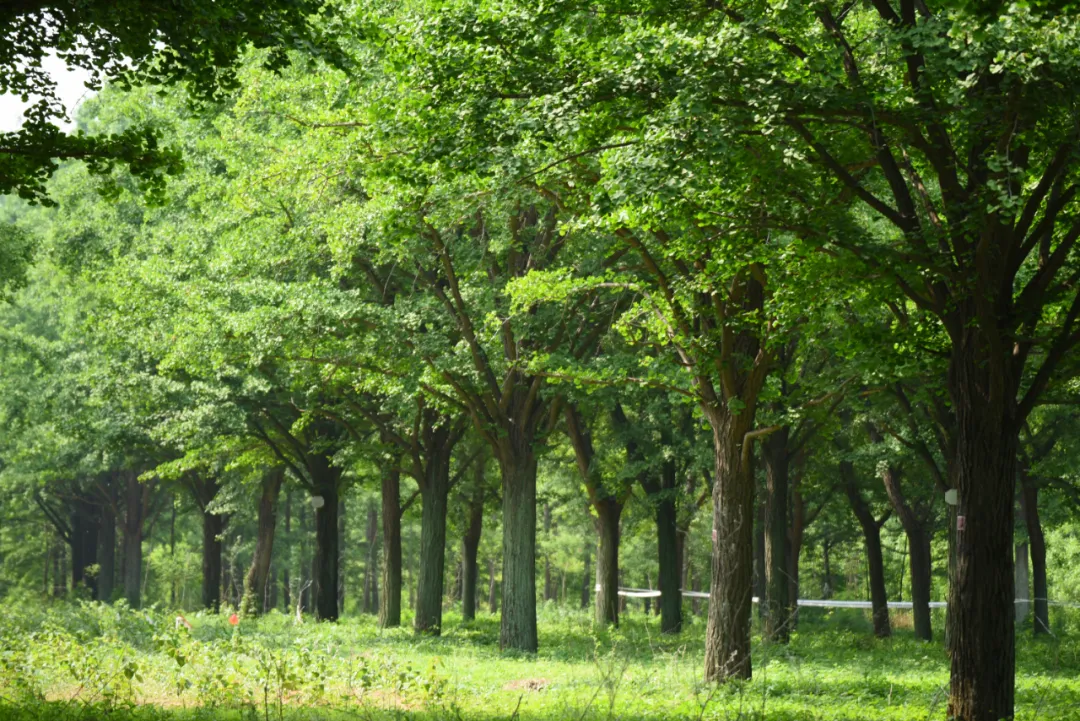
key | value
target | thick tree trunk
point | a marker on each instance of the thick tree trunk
(918, 553)
(727, 635)
(213, 525)
(258, 575)
(608, 509)
(106, 577)
(518, 623)
(133, 537)
(608, 513)
(774, 452)
(434, 492)
(921, 568)
(982, 642)
(85, 523)
(371, 564)
(1029, 498)
(871, 530)
(390, 607)
(669, 555)
(325, 563)
(470, 546)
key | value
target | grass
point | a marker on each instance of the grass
(95, 662)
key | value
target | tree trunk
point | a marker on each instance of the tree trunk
(470, 545)
(59, 577)
(774, 452)
(608, 509)
(918, 553)
(921, 571)
(493, 588)
(586, 579)
(325, 563)
(982, 642)
(341, 555)
(106, 577)
(1023, 584)
(608, 513)
(390, 607)
(796, 537)
(371, 564)
(727, 635)
(213, 525)
(133, 537)
(826, 570)
(871, 530)
(286, 590)
(85, 523)
(434, 491)
(670, 558)
(1029, 497)
(549, 590)
(258, 575)
(518, 624)
(760, 575)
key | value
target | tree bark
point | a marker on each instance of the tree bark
(326, 479)
(133, 536)
(434, 492)
(982, 643)
(470, 545)
(670, 558)
(106, 577)
(85, 524)
(608, 509)
(871, 529)
(608, 513)
(371, 564)
(774, 452)
(727, 634)
(213, 525)
(517, 464)
(1029, 503)
(258, 575)
(918, 553)
(390, 607)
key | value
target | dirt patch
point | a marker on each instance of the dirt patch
(527, 684)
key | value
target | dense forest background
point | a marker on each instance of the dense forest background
(494, 305)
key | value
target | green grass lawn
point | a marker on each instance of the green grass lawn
(93, 662)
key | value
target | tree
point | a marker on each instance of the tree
(132, 42)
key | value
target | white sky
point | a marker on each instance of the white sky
(70, 89)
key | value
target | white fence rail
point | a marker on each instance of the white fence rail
(818, 602)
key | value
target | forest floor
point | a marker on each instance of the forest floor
(88, 661)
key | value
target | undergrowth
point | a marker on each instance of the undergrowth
(75, 662)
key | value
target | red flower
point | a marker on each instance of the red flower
(234, 619)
